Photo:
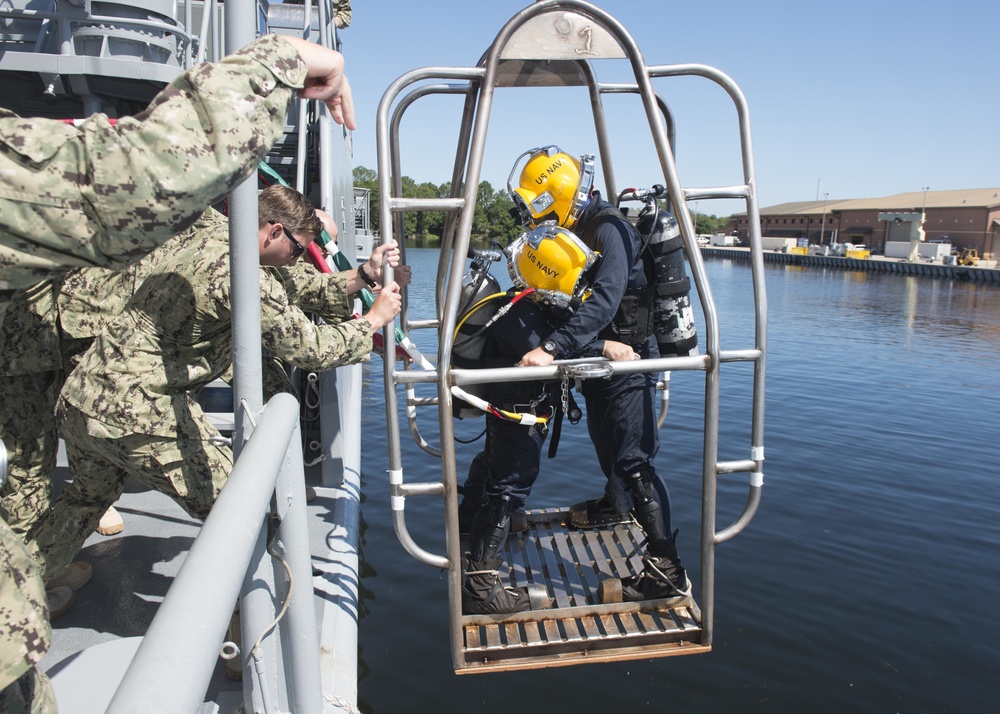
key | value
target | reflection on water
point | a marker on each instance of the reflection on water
(866, 583)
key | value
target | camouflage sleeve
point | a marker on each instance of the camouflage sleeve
(294, 338)
(105, 195)
(322, 293)
(342, 13)
(25, 632)
(92, 297)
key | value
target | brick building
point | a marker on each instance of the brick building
(967, 218)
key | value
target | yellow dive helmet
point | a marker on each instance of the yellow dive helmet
(552, 185)
(554, 262)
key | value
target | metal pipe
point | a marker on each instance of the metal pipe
(244, 268)
(430, 488)
(207, 14)
(426, 204)
(749, 511)
(384, 161)
(737, 467)
(244, 262)
(446, 239)
(299, 637)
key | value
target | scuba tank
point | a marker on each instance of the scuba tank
(673, 317)
(474, 312)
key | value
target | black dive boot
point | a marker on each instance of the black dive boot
(466, 512)
(663, 575)
(660, 578)
(596, 513)
(482, 591)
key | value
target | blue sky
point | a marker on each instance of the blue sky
(850, 99)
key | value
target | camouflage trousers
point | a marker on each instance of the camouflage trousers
(25, 632)
(192, 471)
(28, 430)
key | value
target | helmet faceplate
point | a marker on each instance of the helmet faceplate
(552, 186)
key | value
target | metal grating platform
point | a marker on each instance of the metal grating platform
(571, 564)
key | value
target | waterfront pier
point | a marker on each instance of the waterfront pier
(875, 263)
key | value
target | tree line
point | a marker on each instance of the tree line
(491, 223)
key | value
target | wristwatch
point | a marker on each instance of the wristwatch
(363, 274)
(549, 347)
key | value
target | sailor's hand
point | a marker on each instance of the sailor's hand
(618, 351)
(386, 306)
(387, 252)
(403, 275)
(536, 358)
(325, 80)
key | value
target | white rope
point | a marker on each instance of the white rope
(340, 703)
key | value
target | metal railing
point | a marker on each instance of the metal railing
(173, 666)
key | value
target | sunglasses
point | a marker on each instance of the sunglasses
(299, 248)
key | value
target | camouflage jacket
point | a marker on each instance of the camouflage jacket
(103, 195)
(91, 297)
(143, 373)
(316, 292)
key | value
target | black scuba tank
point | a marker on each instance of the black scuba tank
(673, 318)
(470, 337)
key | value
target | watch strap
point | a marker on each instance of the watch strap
(363, 274)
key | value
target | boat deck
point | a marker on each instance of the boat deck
(571, 564)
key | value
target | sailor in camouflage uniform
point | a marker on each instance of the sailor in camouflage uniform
(46, 329)
(105, 195)
(130, 408)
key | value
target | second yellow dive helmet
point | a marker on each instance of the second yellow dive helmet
(552, 186)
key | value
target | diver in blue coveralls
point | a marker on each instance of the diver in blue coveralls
(621, 416)
(550, 268)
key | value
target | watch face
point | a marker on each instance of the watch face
(549, 346)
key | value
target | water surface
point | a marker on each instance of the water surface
(867, 582)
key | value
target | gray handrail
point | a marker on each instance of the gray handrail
(173, 666)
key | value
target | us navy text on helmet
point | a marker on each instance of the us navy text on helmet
(541, 266)
(551, 169)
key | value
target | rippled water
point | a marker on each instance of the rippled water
(867, 582)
